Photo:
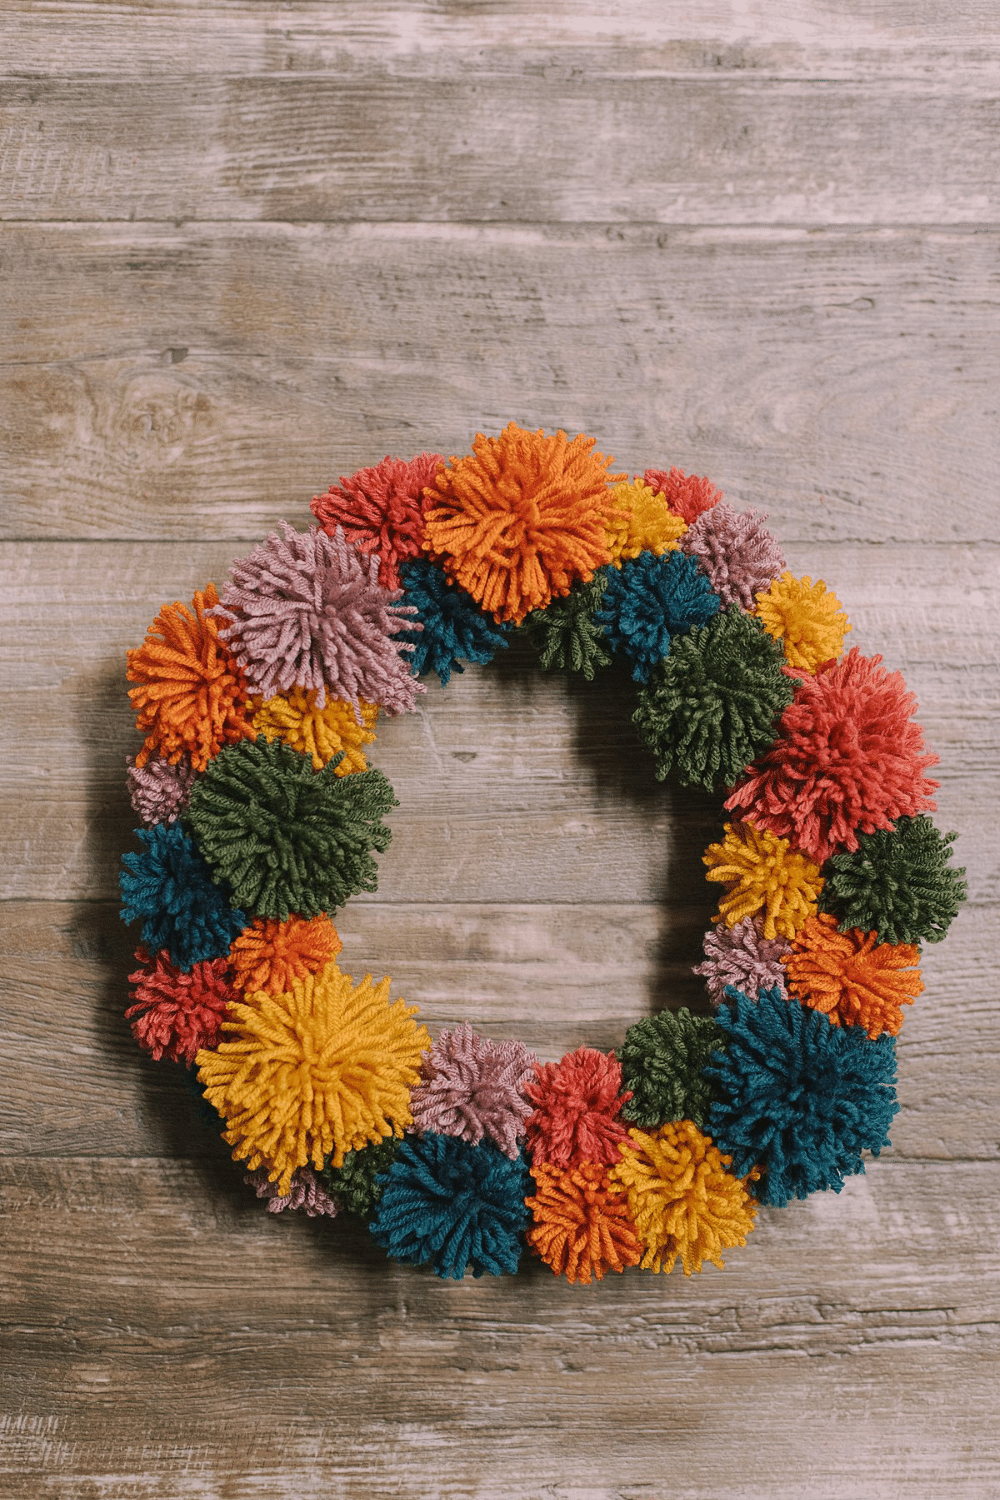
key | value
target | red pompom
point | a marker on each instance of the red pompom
(846, 761)
(686, 494)
(381, 510)
(177, 1013)
(577, 1102)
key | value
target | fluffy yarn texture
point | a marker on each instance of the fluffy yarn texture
(381, 509)
(472, 1088)
(567, 635)
(684, 1203)
(851, 977)
(337, 729)
(663, 1058)
(168, 887)
(897, 883)
(741, 957)
(304, 609)
(269, 954)
(713, 703)
(762, 874)
(577, 1103)
(806, 618)
(647, 601)
(640, 522)
(158, 790)
(305, 1193)
(190, 697)
(735, 551)
(688, 495)
(315, 1072)
(798, 1097)
(453, 1205)
(288, 838)
(176, 1013)
(847, 760)
(357, 1182)
(582, 1225)
(521, 518)
(453, 627)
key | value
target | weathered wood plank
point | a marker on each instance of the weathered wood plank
(212, 379)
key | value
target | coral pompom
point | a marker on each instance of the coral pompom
(640, 522)
(688, 495)
(741, 957)
(851, 977)
(582, 1225)
(269, 954)
(806, 618)
(736, 552)
(339, 728)
(177, 1012)
(473, 1087)
(577, 1103)
(381, 510)
(763, 874)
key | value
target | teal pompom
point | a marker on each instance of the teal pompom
(169, 889)
(897, 883)
(650, 599)
(663, 1060)
(454, 628)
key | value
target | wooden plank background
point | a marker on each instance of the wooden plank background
(247, 247)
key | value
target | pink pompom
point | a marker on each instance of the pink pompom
(159, 791)
(305, 1193)
(735, 551)
(473, 1087)
(743, 957)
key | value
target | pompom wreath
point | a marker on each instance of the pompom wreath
(663, 1059)
(285, 837)
(452, 1205)
(847, 760)
(798, 1098)
(472, 1088)
(648, 600)
(713, 704)
(381, 510)
(582, 1224)
(313, 1073)
(897, 883)
(684, 1203)
(261, 818)
(453, 628)
(520, 519)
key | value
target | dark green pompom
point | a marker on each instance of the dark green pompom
(356, 1183)
(565, 634)
(288, 838)
(714, 702)
(898, 883)
(662, 1060)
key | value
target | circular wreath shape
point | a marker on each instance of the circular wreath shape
(260, 818)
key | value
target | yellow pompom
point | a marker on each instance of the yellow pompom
(763, 872)
(321, 1070)
(641, 522)
(319, 732)
(806, 617)
(683, 1202)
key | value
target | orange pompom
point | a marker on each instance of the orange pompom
(851, 976)
(582, 1224)
(270, 954)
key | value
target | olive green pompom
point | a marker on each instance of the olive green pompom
(662, 1060)
(897, 883)
(565, 634)
(714, 702)
(288, 839)
(356, 1183)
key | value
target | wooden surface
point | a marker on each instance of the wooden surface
(249, 247)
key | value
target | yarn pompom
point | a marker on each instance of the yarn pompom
(799, 1098)
(684, 1203)
(159, 791)
(315, 1072)
(640, 522)
(453, 628)
(566, 634)
(176, 1012)
(169, 888)
(847, 760)
(472, 1087)
(306, 1194)
(304, 609)
(806, 618)
(338, 728)
(582, 1225)
(269, 954)
(381, 509)
(520, 518)
(662, 1060)
(735, 551)
(577, 1103)
(763, 874)
(741, 957)
(897, 883)
(453, 1205)
(688, 495)
(190, 697)
(648, 600)
(714, 702)
(357, 1182)
(851, 977)
(285, 837)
